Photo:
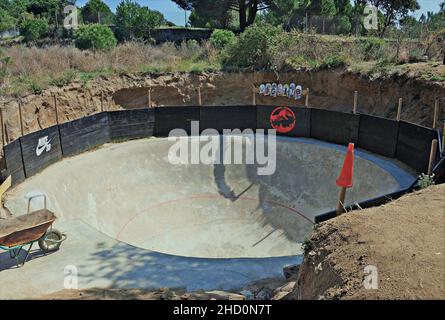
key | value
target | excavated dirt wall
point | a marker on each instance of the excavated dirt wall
(328, 89)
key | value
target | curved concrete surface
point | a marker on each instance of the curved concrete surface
(130, 192)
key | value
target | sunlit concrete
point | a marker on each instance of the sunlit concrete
(132, 193)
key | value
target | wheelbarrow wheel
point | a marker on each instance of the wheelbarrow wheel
(51, 241)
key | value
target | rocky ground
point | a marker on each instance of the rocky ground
(404, 240)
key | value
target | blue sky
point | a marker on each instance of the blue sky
(174, 14)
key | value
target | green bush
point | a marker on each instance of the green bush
(373, 48)
(7, 22)
(63, 79)
(32, 28)
(95, 37)
(254, 48)
(222, 38)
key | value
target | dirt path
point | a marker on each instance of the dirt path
(404, 240)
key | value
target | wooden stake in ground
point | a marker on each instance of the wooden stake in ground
(3, 127)
(436, 111)
(307, 98)
(85, 98)
(253, 95)
(199, 96)
(6, 134)
(101, 102)
(399, 109)
(56, 109)
(433, 153)
(443, 138)
(21, 119)
(149, 97)
(341, 201)
(354, 110)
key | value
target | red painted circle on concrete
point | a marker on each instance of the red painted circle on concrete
(283, 119)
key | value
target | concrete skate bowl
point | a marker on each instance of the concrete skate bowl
(131, 192)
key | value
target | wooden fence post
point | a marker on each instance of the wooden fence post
(399, 109)
(436, 112)
(354, 110)
(56, 109)
(341, 201)
(85, 101)
(6, 134)
(21, 118)
(101, 102)
(307, 98)
(253, 95)
(443, 138)
(199, 96)
(3, 127)
(149, 97)
(432, 156)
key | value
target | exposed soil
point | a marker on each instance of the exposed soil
(404, 239)
(328, 89)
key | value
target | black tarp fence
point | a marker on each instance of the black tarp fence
(414, 145)
(302, 127)
(131, 124)
(409, 143)
(228, 117)
(84, 134)
(378, 135)
(40, 149)
(336, 127)
(170, 118)
(14, 162)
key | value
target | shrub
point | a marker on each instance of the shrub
(222, 38)
(373, 48)
(95, 36)
(32, 28)
(254, 48)
(425, 181)
(63, 79)
(7, 22)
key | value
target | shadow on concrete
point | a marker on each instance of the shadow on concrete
(124, 266)
(6, 262)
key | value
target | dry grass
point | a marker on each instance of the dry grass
(33, 69)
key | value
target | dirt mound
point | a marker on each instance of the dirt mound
(403, 241)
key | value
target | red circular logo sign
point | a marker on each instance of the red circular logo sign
(282, 119)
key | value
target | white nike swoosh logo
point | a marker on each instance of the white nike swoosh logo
(39, 150)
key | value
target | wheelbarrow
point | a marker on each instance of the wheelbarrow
(24, 231)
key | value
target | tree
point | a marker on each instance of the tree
(95, 37)
(7, 22)
(210, 16)
(52, 10)
(97, 11)
(32, 28)
(393, 10)
(134, 21)
(247, 10)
